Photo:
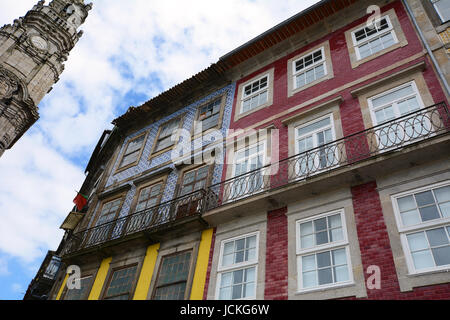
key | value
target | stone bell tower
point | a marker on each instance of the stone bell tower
(32, 54)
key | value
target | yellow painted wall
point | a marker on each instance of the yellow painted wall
(100, 280)
(201, 267)
(145, 277)
(58, 297)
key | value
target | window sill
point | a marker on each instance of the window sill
(429, 272)
(326, 288)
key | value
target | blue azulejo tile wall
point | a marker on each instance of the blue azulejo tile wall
(146, 164)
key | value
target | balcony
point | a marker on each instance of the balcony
(41, 285)
(148, 224)
(345, 161)
(414, 138)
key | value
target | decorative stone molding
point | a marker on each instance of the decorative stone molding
(8, 86)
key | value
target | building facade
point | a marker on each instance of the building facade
(332, 180)
(32, 54)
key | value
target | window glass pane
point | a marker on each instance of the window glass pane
(334, 221)
(429, 213)
(228, 248)
(323, 260)
(336, 235)
(249, 290)
(306, 228)
(445, 209)
(341, 274)
(238, 276)
(226, 280)
(417, 241)
(442, 194)
(424, 198)
(406, 203)
(307, 241)
(443, 9)
(310, 279)
(320, 224)
(411, 218)
(423, 259)
(313, 127)
(321, 238)
(228, 260)
(339, 257)
(441, 255)
(437, 237)
(325, 276)
(393, 96)
(308, 263)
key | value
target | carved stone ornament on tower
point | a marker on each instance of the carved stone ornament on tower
(33, 50)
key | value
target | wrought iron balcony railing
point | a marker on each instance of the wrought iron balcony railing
(152, 219)
(389, 136)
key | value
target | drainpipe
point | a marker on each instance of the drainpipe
(427, 47)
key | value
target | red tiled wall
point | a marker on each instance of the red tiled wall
(376, 249)
(276, 285)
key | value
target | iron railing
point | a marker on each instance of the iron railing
(389, 136)
(152, 219)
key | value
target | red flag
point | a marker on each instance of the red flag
(80, 201)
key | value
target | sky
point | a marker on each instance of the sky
(130, 52)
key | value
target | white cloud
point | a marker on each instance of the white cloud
(123, 44)
(36, 190)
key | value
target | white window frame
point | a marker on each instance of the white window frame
(264, 154)
(254, 94)
(314, 133)
(433, 2)
(357, 44)
(342, 244)
(424, 226)
(239, 266)
(296, 73)
(396, 110)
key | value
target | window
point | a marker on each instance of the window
(315, 134)
(149, 197)
(209, 114)
(173, 276)
(164, 137)
(133, 151)
(394, 104)
(255, 94)
(309, 68)
(121, 284)
(109, 211)
(238, 268)
(83, 293)
(368, 41)
(322, 252)
(423, 217)
(53, 267)
(443, 9)
(248, 160)
(194, 180)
